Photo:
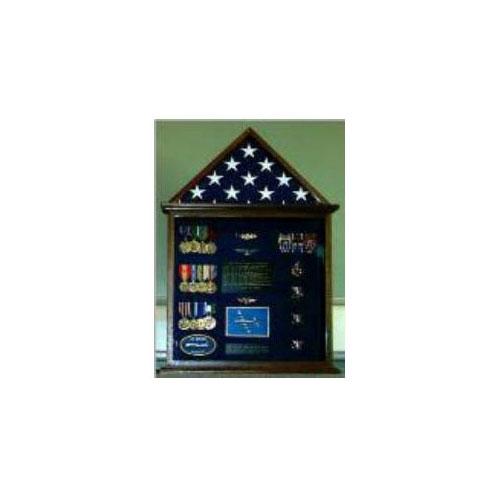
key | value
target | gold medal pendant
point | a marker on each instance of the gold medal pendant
(193, 287)
(195, 246)
(210, 323)
(211, 287)
(184, 286)
(184, 324)
(200, 324)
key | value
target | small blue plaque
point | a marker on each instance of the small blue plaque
(198, 345)
(247, 322)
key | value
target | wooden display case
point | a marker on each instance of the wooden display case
(249, 268)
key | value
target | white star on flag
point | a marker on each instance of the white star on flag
(284, 180)
(301, 194)
(231, 164)
(249, 178)
(266, 165)
(249, 151)
(265, 194)
(214, 178)
(231, 193)
(197, 192)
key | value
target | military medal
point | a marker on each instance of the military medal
(200, 317)
(188, 243)
(197, 286)
(184, 246)
(284, 243)
(310, 242)
(202, 321)
(206, 277)
(297, 242)
(300, 242)
(192, 284)
(212, 274)
(199, 278)
(191, 321)
(184, 321)
(184, 273)
(202, 234)
(211, 246)
(210, 321)
(287, 243)
(195, 246)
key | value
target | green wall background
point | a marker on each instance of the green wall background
(314, 148)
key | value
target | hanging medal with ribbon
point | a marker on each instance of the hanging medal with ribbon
(199, 320)
(189, 240)
(311, 242)
(192, 316)
(210, 321)
(184, 274)
(301, 242)
(212, 275)
(284, 243)
(195, 244)
(192, 284)
(184, 323)
(200, 286)
(184, 246)
(211, 246)
(206, 278)
(203, 233)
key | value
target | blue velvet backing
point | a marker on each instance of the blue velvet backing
(278, 298)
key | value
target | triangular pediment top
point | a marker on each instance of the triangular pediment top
(249, 172)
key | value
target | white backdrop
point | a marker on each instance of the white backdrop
(82, 415)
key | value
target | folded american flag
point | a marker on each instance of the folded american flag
(249, 172)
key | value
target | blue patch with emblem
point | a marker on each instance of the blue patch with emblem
(247, 322)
